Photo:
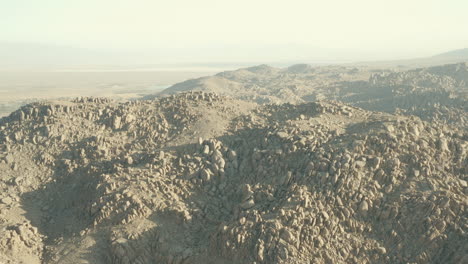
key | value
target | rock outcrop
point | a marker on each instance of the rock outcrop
(203, 178)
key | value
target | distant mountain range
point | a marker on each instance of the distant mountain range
(450, 57)
(34, 56)
(461, 54)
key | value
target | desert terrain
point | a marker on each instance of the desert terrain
(302, 164)
(234, 132)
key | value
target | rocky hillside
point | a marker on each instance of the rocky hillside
(437, 94)
(265, 84)
(203, 178)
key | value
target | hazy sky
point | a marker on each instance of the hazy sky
(217, 30)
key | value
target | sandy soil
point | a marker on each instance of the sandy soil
(20, 87)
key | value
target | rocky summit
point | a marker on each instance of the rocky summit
(259, 165)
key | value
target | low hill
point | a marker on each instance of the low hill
(437, 93)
